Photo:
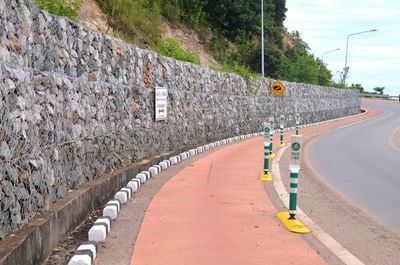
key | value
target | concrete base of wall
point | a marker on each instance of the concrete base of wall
(32, 244)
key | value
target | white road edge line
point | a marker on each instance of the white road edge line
(335, 247)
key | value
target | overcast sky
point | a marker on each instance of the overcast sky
(373, 58)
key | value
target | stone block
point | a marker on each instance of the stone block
(142, 177)
(97, 233)
(163, 165)
(104, 220)
(111, 211)
(133, 185)
(147, 174)
(116, 203)
(122, 196)
(173, 160)
(153, 171)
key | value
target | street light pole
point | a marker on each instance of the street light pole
(347, 46)
(322, 55)
(262, 40)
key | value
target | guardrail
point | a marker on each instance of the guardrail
(378, 96)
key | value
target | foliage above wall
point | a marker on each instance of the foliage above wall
(236, 41)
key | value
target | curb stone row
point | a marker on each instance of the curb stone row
(86, 252)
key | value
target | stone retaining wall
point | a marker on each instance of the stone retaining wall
(76, 103)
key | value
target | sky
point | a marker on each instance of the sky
(373, 58)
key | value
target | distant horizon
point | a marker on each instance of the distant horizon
(373, 57)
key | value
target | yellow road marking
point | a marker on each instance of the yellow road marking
(390, 139)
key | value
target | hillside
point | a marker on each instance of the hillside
(222, 34)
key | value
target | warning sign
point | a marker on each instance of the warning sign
(161, 102)
(277, 88)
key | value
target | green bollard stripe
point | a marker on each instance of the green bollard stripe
(266, 164)
(293, 202)
(293, 191)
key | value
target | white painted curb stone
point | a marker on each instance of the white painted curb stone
(153, 171)
(104, 219)
(111, 211)
(147, 174)
(97, 233)
(116, 203)
(129, 190)
(133, 185)
(122, 196)
(173, 160)
(163, 165)
(141, 177)
(80, 260)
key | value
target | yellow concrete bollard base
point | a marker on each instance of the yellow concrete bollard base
(266, 177)
(292, 225)
(282, 144)
(271, 155)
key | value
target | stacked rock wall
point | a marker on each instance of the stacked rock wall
(76, 103)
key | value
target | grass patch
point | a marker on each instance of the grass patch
(67, 8)
(139, 20)
(171, 48)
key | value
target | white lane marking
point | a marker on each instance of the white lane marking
(335, 247)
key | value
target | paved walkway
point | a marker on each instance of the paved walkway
(216, 211)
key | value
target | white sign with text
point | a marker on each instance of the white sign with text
(161, 103)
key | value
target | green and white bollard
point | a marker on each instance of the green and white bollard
(289, 218)
(281, 125)
(295, 159)
(266, 175)
(271, 137)
(297, 123)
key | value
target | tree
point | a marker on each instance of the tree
(357, 86)
(379, 90)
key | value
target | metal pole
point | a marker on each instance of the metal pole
(322, 55)
(347, 46)
(262, 40)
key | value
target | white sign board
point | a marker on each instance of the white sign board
(282, 121)
(295, 156)
(267, 131)
(297, 118)
(161, 103)
(271, 121)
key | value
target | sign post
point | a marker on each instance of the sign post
(289, 218)
(297, 123)
(161, 103)
(271, 137)
(282, 124)
(266, 175)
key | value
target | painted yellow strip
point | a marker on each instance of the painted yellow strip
(390, 139)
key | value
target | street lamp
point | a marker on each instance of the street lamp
(322, 55)
(262, 40)
(347, 46)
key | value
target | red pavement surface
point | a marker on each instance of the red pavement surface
(216, 211)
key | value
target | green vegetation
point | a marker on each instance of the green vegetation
(379, 89)
(67, 8)
(137, 20)
(171, 48)
(236, 37)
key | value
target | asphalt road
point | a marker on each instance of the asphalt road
(362, 162)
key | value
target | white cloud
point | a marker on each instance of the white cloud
(373, 57)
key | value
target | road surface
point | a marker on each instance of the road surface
(362, 162)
